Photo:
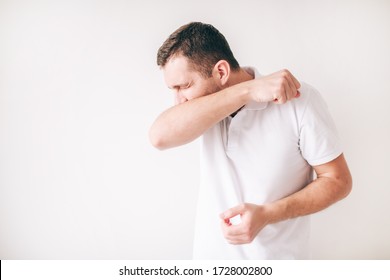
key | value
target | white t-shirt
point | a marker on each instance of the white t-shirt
(266, 152)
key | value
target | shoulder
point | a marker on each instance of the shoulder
(310, 98)
(308, 93)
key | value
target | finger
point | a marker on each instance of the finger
(294, 80)
(289, 89)
(227, 222)
(281, 98)
(235, 241)
(292, 90)
(230, 213)
(239, 239)
(233, 230)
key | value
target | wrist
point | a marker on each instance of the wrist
(245, 92)
(273, 212)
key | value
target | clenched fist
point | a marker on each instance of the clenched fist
(279, 87)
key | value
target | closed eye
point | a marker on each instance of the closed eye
(181, 86)
(185, 86)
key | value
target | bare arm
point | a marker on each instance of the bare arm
(185, 122)
(333, 183)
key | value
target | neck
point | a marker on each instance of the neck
(239, 77)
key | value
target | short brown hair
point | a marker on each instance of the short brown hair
(201, 43)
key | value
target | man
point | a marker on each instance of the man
(257, 156)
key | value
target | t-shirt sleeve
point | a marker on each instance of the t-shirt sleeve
(319, 141)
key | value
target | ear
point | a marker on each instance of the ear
(221, 72)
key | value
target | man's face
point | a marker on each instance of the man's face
(185, 82)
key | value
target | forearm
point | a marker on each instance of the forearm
(318, 195)
(185, 122)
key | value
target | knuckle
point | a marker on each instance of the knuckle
(241, 207)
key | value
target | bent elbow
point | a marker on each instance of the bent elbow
(346, 185)
(157, 140)
(349, 185)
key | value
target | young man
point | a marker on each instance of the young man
(257, 156)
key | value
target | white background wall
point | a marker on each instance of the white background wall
(79, 89)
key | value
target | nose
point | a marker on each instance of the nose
(179, 98)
